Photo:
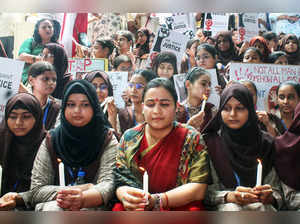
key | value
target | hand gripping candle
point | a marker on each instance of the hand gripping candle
(204, 102)
(145, 182)
(61, 171)
(259, 173)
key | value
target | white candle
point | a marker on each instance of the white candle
(203, 103)
(0, 178)
(145, 182)
(259, 173)
(61, 171)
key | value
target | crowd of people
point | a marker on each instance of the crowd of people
(197, 155)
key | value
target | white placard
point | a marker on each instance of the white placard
(214, 97)
(119, 81)
(217, 23)
(248, 26)
(266, 77)
(80, 65)
(10, 78)
(169, 40)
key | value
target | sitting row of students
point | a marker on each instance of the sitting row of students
(188, 170)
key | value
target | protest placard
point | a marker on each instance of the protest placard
(248, 26)
(169, 40)
(80, 65)
(179, 23)
(214, 97)
(10, 78)
(266, 77)
(216, 22)
(119, 83)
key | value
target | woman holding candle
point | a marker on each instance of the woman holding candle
(287, 162)
(84, 143)
(173, 155)
(234, 143)
(197, 83)
(20, 137)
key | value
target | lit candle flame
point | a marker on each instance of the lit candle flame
(142, 169)
(59, 160)
(204, 97)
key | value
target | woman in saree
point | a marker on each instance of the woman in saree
(173, 155)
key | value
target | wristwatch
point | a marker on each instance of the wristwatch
(34, 59)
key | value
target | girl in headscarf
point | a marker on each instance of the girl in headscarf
(226, 48)
(260, 43)
(57, 56)
(234, 143)
(290, 45)
(86, 147)
(287, 162)
(21, 134)
(42, 78)
(104, 89)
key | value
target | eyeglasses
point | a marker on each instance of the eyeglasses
(101, 86)
(136, 85)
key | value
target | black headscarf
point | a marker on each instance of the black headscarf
(101, 74)
(17, 153)
(80, 146)
(288, 153)
(293, 58)
(241, 147)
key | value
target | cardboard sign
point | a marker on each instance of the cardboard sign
(248, 26)
(86, 65)
(169, 40)
(119, 83)
(216, 22)
(266, 77)
(214, 97)
(10, 78)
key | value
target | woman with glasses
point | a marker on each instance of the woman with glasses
(57, 56)
(133, 115)
(42, 78)
(45, 31)
(173, 155)
(198, 87)
(104, 90)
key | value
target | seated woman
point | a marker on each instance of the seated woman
(133, 115)
(20, 137)
(287, 162)
(290, 45)
(42, 78)
(267, 121)
(288, 96)
(173, 155)
(85, 145)
(234, 143)
(198, 86)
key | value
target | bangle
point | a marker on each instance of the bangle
(167, 200)
(157, 202)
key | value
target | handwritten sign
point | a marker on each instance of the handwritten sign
(266, 77)
(86, 65)
(10, 78)
(248, 26)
